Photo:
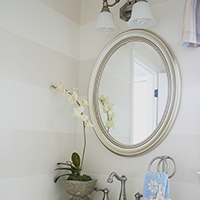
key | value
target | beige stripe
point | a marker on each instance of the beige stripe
(69, 8)
(29, 62)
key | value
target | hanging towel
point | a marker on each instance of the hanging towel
(191, 24)
(151, 181)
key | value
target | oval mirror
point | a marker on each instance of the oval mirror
(134, 92)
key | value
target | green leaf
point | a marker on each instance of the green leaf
(60, 177)
(63, 169)
(63, 164)
(76, 159)
(74, 170)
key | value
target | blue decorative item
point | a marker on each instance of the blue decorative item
(151, 182)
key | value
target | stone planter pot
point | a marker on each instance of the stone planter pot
(79, 189)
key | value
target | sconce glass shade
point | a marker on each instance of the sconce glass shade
(105, 24)
(141, 16)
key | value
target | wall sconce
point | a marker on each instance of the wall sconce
(137, 13)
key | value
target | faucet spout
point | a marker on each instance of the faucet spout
(122, 195)
(113, 174)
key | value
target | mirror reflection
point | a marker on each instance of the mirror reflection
(133, 92)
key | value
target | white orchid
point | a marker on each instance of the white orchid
(77, 111)
(103, 99)
(61, 88)
(85, 118)
(71, 90)
(88, 123)
(110, 106)
(73, 97)
(109, 125)
(107, 106)
(112, 117)
(83, 102)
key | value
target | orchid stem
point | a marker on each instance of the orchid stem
(83, 154)
(108, 120)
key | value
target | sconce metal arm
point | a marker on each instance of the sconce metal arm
(111, 5)
(117, 1)
(106, 5)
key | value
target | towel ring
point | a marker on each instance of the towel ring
(165, 164)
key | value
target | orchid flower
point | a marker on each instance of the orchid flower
(78, 112)
(107, 106)
(110, 106)
(61, 88)
(83, 102)
(112, 117)
(110, 124)
(88, 123)
(71, 90)
(72, 97)
(103, 99)
(85, 118)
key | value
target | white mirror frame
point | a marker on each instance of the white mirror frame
(174, 92)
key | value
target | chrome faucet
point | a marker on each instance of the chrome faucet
(122, 195)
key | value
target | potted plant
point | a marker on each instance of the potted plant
(76, 184)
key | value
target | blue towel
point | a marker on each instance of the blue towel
(151, 181)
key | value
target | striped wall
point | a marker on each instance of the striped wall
(39, 46)
(48, 41)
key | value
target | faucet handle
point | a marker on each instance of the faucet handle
(138, 196)
(105, 192)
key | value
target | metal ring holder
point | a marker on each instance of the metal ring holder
(165, 164)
